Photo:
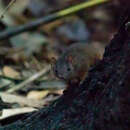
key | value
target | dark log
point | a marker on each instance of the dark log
(102, 102)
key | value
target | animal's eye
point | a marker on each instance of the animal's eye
(68, 69)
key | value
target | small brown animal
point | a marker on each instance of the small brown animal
(74, 63)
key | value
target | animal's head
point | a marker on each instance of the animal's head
(63, 68)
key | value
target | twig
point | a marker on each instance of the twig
(44, 84)
(52, 85)
(8, 6)
(32, 25)
(29, 80)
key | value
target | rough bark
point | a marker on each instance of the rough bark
(100, 103)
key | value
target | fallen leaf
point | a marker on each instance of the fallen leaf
(10, 72)
(37, 94)
(11, 112)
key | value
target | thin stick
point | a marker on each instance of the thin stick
(8, 6)
(29, 80)
(60, 14)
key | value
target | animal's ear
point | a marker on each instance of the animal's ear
(70, 59)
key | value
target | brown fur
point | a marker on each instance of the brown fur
(75, 62)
